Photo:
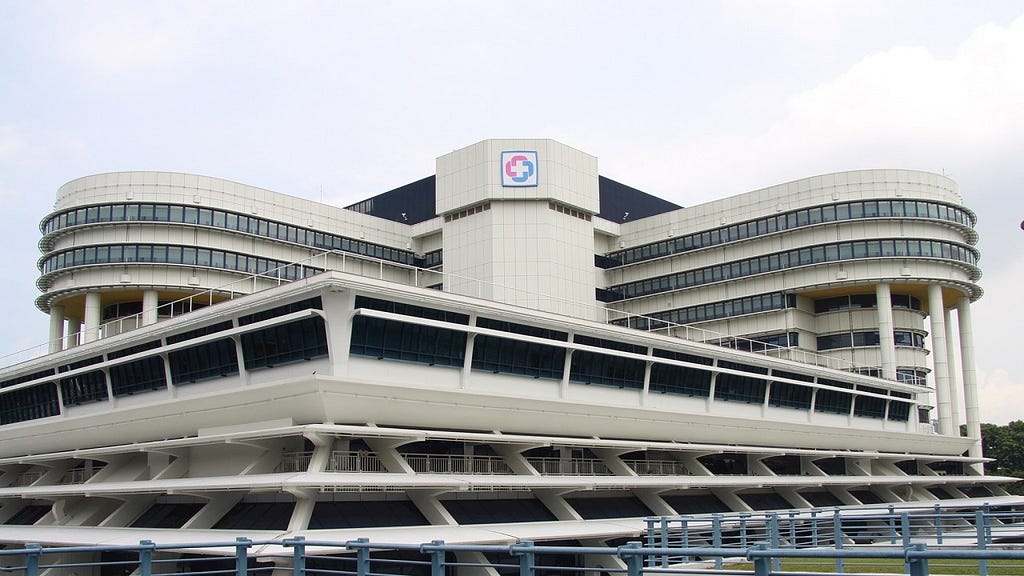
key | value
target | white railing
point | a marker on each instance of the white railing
(456, 464)
(340, 461)
(355, 462)
(658, 467)
(27, 478)
(553, 466)
(376, 268)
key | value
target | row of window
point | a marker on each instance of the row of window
(176, 214)
(789, 221)
(821, 253)
(397, 340)
(762, 343)
(711, 311)
(186, 255)
(563, 209)
(857, 301)
(467, 212)
(868, 338)
(907, 375)
(304, 339)
(165, 308)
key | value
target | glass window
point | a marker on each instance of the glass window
(828, 213)
(176, 214)
(205, 217)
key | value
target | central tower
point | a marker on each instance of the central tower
(518, 224)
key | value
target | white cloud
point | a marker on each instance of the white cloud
(11, 143)
(1000, 397)
(132, 38)
(901, 107)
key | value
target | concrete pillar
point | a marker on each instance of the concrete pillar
(150, 303)
(963, 313)
(92, 316)
(955, 394)
(56, 328)
(886, 340)
(74, 331)
(937, 315)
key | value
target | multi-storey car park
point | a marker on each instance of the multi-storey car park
(515, 348)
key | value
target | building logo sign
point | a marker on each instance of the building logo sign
(519, 168)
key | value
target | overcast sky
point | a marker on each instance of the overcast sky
(690, 101)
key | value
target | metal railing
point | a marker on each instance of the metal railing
(340, 461)
(301, 557)
(658, 467)
(456, 464)
(552, 466)
(371, 267)
(962, 527)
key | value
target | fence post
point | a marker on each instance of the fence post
(762, 564)
(917, 566)
(664, 541)
(775, 538)
(938, 524)
(979, 523)
(242, 545)
(814, 528)
(743, 529)
(686, 538)
(362, 558)
(145, 558)
(634, 561)
(905, 528)
(837, 535)
(299, 556)
(527, 561)
(792, 529)
(32, 552)
(892, 524)
(437, 559)
(716, 535)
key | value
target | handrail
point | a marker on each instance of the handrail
(273, 277)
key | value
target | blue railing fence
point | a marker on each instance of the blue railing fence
(362, 557)
(921, 537)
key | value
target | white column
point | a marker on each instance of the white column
(936, 314)
(74, 331)
(886, 340)
(963, 313)
(56, 328)
(954, 383)
(92, 316)
(150, 303)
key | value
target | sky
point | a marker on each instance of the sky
(689, 101)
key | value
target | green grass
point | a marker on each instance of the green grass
(893, 566)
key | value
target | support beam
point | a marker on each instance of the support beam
(886, 339)
(92, 316)
(963, 313)
(150, 304)
(936, 313)
(955, 393)
(74, 331)
(56, 328)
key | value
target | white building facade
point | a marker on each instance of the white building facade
(516, 327)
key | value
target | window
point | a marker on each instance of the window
(305, 339)
(215, 359)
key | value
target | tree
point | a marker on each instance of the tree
(1006, 445)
